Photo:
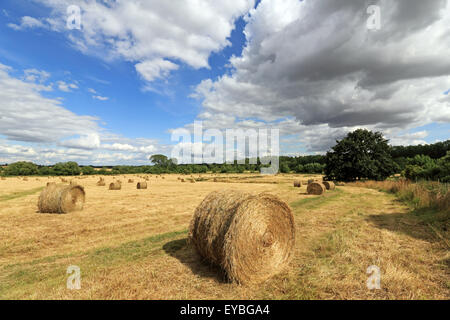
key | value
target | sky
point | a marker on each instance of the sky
(115, 89)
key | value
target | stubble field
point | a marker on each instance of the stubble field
(132, 244)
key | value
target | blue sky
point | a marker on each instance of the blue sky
(229, 65)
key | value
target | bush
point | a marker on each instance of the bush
(21, 168)
(66, 169)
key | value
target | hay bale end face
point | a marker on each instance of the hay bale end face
(250, 237)
(58, 198)
(316, 188)
(115, 185)
(329, 185)
(297, 184)
(142, 185)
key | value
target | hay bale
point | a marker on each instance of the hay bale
(3, 178)
(250, 237)
(311, 181)
(51, 183)
(115, 185)
(182, 180)
(130, 181)
(215, 180)
(25, 179)
(297, 184)
(316, 188)
(101, 183)
(142, 185)
(329, 185)
(59, 198)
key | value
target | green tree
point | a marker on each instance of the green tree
(67, 169)
(362, 154)
(88, 170)
(21, 168)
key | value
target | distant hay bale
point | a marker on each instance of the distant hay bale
(215, 180)
(25, 179)
(51, 183)
(142, 185)
(329, 185)
(59, 198)
(250, 237)
(130, 181)
(115, 185)
(297, 184)
(192, 180)
(101, 183)
(182, 180)
(3, 178)
(316, 188)
(311, 181)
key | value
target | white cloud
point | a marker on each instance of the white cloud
(27, 22)
(100, 98)
(66, 87)
(153, 69)
(316, 64)
(150, 32)
(25, 115)
(88, 141)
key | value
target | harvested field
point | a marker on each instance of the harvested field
(132, 244)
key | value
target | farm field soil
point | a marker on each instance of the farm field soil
(132, 244)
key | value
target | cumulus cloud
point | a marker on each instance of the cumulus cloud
(150, 32)
(316, 64)
(26, 115)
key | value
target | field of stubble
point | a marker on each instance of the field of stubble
(131, 244)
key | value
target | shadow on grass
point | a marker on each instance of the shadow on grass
(187, 255)
(429, 225)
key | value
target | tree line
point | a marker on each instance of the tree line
(362, 154)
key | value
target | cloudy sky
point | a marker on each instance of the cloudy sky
(112, 91)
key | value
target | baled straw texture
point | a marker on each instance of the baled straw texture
(297, 184)
(60, 198)
(142, 185)
(316, 188)
(117, 185)
(329, 185)
(250, 237)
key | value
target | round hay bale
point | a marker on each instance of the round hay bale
(59, 198)
(192, 180)
(250, 237)
(25, 179)
(311, 181)
(329, 185)
(51, 183)
(316, 188)
(142, 185)
(182, 180)
(115, 185)
(3, 178)
(297, 184)
(130, 181)
(215, 180)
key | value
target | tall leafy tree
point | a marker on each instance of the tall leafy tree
(362, 154)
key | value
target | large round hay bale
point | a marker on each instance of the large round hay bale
(115, 185)
(297, 184)
(316, 188)
(250, 237)
(329, 185)
(60, 198)
(142, 185)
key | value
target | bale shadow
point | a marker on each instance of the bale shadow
(413, 225)
(187, 255)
